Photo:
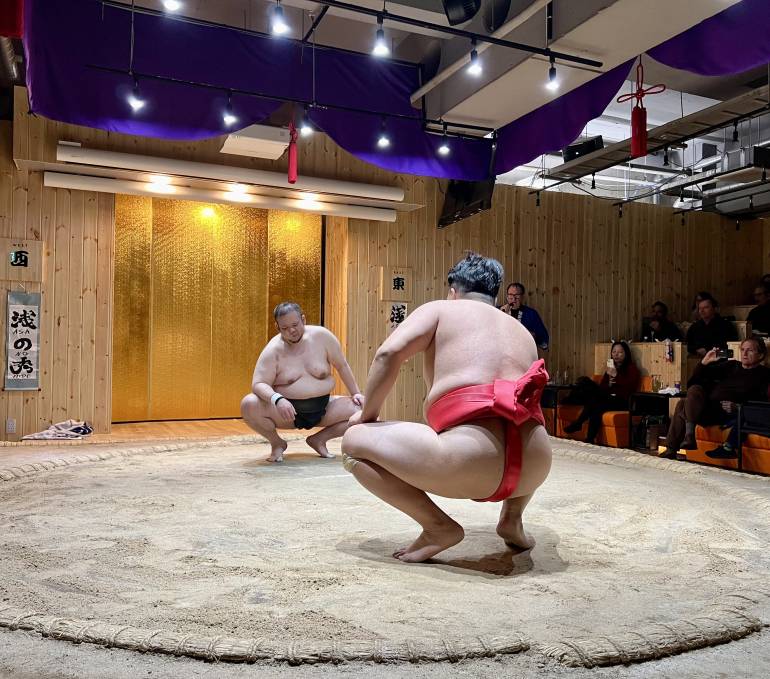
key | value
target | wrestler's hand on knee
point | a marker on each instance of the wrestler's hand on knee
(286, 411)
(358, 399)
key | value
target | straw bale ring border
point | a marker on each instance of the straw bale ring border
(719, 622)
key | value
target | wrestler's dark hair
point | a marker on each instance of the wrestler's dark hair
(286, 308)
(476, 274)
(663, 306)
(760, 343)
(518, 285)
(627, 360)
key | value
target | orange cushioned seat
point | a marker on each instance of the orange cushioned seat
(614, 430)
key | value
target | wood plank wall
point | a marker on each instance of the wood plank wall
(590, 273)
(76, 228)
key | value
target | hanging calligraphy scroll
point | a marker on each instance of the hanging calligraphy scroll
(22, 364)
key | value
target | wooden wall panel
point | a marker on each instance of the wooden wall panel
(76, 236)
(590, 273)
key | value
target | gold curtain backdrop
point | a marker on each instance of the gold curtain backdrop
(195, 285)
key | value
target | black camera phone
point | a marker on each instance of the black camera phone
(725, 353)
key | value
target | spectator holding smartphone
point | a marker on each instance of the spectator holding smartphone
(715, 388)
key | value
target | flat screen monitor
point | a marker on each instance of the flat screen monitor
(464, 199)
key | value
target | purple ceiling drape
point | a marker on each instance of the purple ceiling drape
(70, 44)
(559, 122)
(735, 40)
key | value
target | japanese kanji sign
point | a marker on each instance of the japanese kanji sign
(396, 283)
(396, 316)
(22, 364)
(21, 260)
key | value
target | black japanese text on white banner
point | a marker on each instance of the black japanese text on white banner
(22, 364)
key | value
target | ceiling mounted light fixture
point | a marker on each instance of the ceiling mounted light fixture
(278, 24)
(172, 5)
(553, 81)
(735, 131)
(380, 48)
(474, 67)
(383, 141)
(228, 117)
(444, 149)
(135, 101)
(305, 128)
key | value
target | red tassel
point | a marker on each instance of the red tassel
(638, 131)
(11, 18)
(292, 153)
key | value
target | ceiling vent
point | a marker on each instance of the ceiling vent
(257, 141)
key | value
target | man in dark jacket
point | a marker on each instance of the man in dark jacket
(526, 315)
(759, 316)
(658, 327)
(710, 331)
(714, 390)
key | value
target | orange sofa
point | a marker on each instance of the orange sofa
(756, 450)
(614, 430)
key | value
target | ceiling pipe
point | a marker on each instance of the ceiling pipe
(79, 182)
(227, 173)
(460, 63)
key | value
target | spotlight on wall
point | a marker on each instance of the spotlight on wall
(238, 192)
(208, 212)
(278, 24)
(134, 99)
(381, 48)
(160, 183)
(172, 5)
(537, 199)
(474, 67)
(553, 81)
(593, 181)
(228, 116)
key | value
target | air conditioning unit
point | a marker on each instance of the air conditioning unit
(258, 141)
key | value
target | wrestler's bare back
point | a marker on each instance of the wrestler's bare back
(474, 343)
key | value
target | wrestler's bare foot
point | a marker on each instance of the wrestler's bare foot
(276, 452)
(431, 542)
(511, 529)
(318, 446)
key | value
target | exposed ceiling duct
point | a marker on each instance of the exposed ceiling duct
(460, 11)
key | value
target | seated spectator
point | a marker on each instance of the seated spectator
(714, 390)
(711, 330)
(619, 381)
(658, 327)
(759, 316)
(699, 297)
(527, 316)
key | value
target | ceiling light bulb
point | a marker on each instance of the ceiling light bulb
(444, 149)
(229, 119)
(160, 179)
(277, 23)
(305, 129)
(383, 142)
(381, 48)
(172, 5)
(553, 83)
(136, 103)
(474, 68)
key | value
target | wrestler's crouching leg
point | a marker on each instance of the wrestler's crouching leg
(365, 443)
(536, 463)
(334, 423)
